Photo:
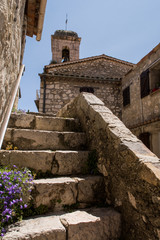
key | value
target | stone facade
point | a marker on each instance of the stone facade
(141, 115)
(12, 38)
(60, 91)
(100, 74)
(131, 171)
(18, 19)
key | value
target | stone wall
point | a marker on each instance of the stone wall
(140, 109)
(59, 91)
(130, 170)
(12, 40)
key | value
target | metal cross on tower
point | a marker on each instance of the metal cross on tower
(66, 21)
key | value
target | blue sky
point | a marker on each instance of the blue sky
(124, 29)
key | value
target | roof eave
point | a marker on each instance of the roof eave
(34, 22)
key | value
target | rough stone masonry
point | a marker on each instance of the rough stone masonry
(131, 171)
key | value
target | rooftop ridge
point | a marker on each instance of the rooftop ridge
(90, 59)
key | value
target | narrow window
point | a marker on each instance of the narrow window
(65, 55)
(145, 138)
(87, 89)
(155, 78)
(126, 96)
(144, 77)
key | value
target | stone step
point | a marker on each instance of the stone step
(92, 224)
(48, 123)
(57, 163)
(28, 139)
(70, 162)
(65, 192)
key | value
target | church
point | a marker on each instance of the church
(67, 75)
(130, 90)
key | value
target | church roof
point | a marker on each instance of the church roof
(99, 67)
(103, 56)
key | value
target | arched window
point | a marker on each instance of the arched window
(65, 55)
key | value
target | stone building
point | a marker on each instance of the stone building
(141, 100)
(17, 19)
(67, 75)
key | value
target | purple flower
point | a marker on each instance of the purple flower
(7, 218)
(14, 184)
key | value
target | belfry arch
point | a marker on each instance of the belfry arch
(65, 54)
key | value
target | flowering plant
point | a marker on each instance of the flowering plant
(18, 111)
(15, 186)
(10, 146)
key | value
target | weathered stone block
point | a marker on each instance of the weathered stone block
(91, 189)
(21, 121)
(55, 193)
(37, 160)
(39, 228)
(72, 140)
(56, 124)
(97, 224)
(69, 162)
(37, 139)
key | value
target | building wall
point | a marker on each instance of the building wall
(142, 113)
(12, 34)
(60, 91)
(140, 109)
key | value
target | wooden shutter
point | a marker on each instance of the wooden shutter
(126, 96)
(145, 83)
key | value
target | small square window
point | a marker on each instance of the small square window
(126, 96)
(87, 89)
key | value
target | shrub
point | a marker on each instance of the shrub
(15, 186)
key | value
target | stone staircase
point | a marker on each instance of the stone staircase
(56, 147)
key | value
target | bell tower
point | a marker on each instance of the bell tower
(65, 46)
